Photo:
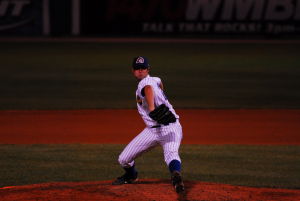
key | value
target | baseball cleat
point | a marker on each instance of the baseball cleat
(125, 179)
(177, 181)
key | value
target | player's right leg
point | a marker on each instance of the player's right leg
(140, 144)
(130, 176)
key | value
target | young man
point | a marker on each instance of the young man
(162, 127)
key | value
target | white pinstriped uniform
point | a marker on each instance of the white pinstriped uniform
(169, 137)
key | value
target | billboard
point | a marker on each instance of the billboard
(273, 18)
(191, 17)
(24, 17)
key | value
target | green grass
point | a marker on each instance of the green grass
(97, 75)
(259, 166)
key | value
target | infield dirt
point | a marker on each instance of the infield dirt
(144, 190)
(120, 126)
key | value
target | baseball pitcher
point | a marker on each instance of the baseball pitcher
(162, 127)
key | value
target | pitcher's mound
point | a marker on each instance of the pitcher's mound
(144, 190)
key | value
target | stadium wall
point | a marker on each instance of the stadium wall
(136, 18)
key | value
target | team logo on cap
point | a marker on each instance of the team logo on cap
(140, 60)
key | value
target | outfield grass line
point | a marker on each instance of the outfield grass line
(256, 166)
(75, 75)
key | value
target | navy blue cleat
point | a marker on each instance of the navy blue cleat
(125, 179)
(177, 182)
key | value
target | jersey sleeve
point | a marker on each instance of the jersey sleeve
(157, 80)
(147, 81)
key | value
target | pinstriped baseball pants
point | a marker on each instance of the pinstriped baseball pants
(169, 137)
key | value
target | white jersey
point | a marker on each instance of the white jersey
(159, 98)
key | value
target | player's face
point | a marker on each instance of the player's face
(140, 73)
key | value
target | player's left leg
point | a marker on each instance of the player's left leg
(171, 137)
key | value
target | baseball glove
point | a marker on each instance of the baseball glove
(162, 115)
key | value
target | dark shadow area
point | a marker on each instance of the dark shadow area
(188, 187)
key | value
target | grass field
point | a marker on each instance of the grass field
(260, 166)
(87, 75)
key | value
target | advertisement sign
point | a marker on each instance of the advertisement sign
(190, 17)
(23, 17)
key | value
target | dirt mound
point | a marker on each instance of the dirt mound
(144, 190)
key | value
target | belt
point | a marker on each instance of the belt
(156, 126)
